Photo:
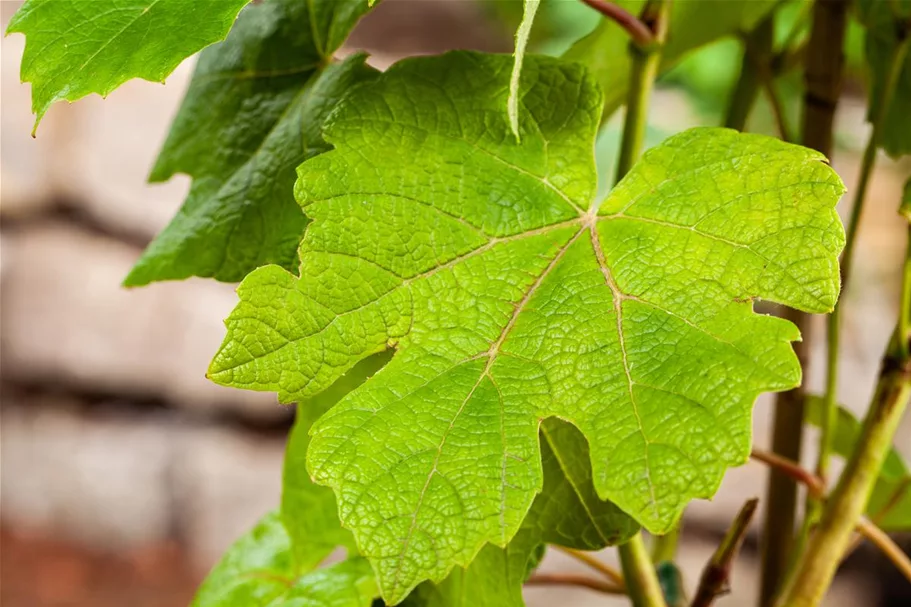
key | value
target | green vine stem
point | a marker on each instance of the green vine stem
(823, 77)
(639, 573)
(642, 583)
(757, 58)
(664, 547)
(643, 72)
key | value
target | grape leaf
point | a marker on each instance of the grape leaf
(692, 24)
(885, 21)
(890, 503)
(252, 114)
(510, 296)
(78, 47)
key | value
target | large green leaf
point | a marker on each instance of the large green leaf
(890, 502)
(511, 295)
(605, 51)
(885, 21)
(78, 47)
(252, 114)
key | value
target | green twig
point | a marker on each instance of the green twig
(823, 78)
(715, 580)
(642, 583)
(664, 547)
(757, 58)
(645, 62)
(778, 111)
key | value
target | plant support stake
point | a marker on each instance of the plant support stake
(825, 65)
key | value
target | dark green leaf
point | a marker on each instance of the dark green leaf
(253, 113)
(78, 47)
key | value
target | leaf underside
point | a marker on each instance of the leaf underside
(252, 114)
(510, 295)
(76, 47)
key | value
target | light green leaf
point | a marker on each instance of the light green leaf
(567, 512)
(528, 18)
(890, 502)
(78, 47)
(510, 296)
(692, 24)
(884, 20)
(252, 114)
(259, 571)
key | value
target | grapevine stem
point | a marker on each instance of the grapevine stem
(664, 547)
(823, 77)
(644, 70)
(757, 57)
(642, 583)
(606, 570)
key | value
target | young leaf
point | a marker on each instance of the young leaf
(692, 24)
(259, 571)
(567, 512)
(252, 114)
(78, 47)
(510, 296)
(885, 21)
(528, 18)
(890, 502)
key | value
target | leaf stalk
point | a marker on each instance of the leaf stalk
(642, 583)
(646, 60)
(637, 30)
